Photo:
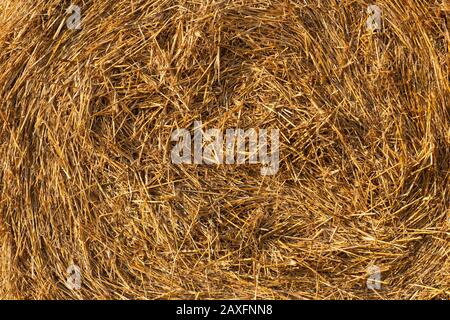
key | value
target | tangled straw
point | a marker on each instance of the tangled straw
(86, 178)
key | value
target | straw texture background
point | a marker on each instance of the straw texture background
(86, 176)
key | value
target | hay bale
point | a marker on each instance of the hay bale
(86, 178)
